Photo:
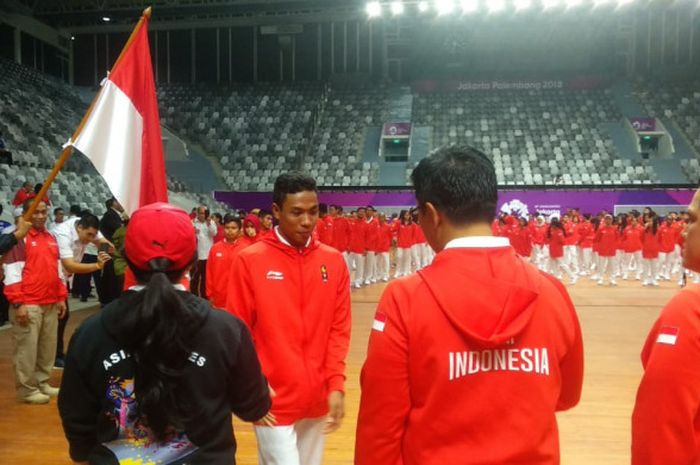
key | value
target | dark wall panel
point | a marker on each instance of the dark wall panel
(180, 56)
(326, 51)
(338, 44)
(268, 58)
(205, 55)
(364, 47)
(7, 41)
(224, 54)
(242, 54)
(306, 53)
(83, 63)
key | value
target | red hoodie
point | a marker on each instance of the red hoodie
(650, 244)
(324, 230)
(219, 263)
(341, 233)
(357, 242)
(520, 239)
(667, 238)
(384, 237)
(404, 235)
(665, 426)
(372, 235)
(459, 377)
(633, 238)
(606, 238)
(586, 234)
(297, 306)
(556, 242)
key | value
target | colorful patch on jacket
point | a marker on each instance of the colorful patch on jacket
(668, 335)
(134, 444)
(324, 273)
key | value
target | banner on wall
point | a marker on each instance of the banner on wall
(545, 202)
(580, 83)
(643, 124)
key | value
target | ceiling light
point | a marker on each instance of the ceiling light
(374, 9)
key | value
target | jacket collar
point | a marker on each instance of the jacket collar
(478, 242)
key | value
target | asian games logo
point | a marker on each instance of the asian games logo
(515, 207)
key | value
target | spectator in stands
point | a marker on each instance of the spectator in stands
(5, 154)
(206, 230)
(110, 222)
(193, 213)
(73, 237)
(23, 194)
(302, 343)
(35, 287)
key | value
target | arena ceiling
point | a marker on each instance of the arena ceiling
(81, 13)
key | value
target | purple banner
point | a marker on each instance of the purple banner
(643, 124)
(397, 129)
(527, 201)
(580, 83)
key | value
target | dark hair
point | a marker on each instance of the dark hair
(88, 220)
(322, 209)
(157, 331)
(217, 215)
(291, 183)
(74, 210)
(402, 214)
(233, 219)
(38, 187)
(263, 213)
(28, 203)
(555, 223)
(459, 181)
(55, 210)
(110, 202)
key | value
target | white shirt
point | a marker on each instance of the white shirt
(205, 237)
(478, 242)
(69, 245)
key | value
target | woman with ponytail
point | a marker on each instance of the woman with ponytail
(155, 376)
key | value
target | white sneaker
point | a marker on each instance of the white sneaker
(385, 280)
(49, 390)
(36, 398)
(613, 282)
(655, 283)
(600, 282)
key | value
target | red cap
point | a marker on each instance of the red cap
(160, 230)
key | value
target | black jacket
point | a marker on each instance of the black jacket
(7, 241)
(110, 222)
(223, 376)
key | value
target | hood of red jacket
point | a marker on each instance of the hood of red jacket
(486, 293)
(273, 240)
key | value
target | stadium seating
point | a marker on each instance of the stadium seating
(535, 137)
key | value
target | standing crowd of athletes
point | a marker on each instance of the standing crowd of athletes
(634, 245)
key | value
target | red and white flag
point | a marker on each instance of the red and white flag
(379, 322)
(121, 136)
(668, 335)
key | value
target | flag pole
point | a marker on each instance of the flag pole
(68, 149)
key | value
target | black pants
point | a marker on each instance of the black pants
(110, 288)
(198, 285)
(81, 282)
(62, 322)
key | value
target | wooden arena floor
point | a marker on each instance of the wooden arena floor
(615, 322)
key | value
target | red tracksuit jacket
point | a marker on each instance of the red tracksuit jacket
(297, 306)
(219, 263)
(667, 238)
(384, 238)
(556, 242)
(606, 238)
(454, 376)
(665, 422)
(33, 271)
(633, 238)
(357, 242)
(405, 235)
(324, 230)
(341, 233)
(650, 244)
(372, 235)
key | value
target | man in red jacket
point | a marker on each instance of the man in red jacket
(35, 287)
(665, 429)
(294, 295)
(469, 358)
(357, 245)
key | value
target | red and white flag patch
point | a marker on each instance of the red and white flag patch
(379, 322)
(668, 335)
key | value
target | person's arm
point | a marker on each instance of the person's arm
(250, 396)
(78, 405)
(211, 228)
(337, 351)
(664, 422)
(240, 299)
(385, 403)
(84, 268)
(571, 364)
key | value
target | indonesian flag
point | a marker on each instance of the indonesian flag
(668, 335)
(121, 135)
(379, 322)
